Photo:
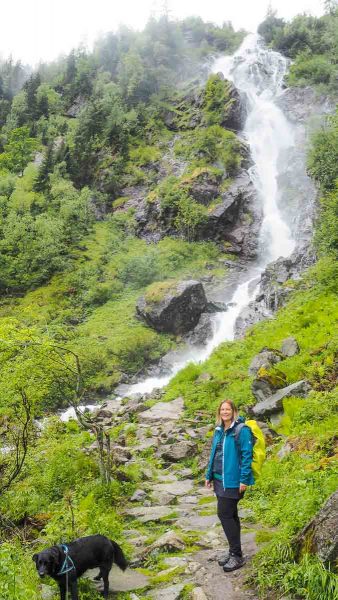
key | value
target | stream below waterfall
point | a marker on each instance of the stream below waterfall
(258, 73)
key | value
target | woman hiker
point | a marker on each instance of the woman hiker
(229, 470)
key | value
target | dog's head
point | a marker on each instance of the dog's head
(48, 562)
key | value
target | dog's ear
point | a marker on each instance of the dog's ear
(35, 557)
(55, 558)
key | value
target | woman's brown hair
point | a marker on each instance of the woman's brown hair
(233, 408)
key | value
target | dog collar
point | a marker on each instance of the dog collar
(68, 564)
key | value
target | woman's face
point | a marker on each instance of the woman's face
(226, 412)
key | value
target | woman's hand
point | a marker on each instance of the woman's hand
(242, 488)
(207, 483)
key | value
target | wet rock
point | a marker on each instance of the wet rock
(290, 347)
(235, 113)
(236, 218)
(320, 536)
(215, 307)
(266, 359)
(179, 309)
(274, 403)
(201, 333)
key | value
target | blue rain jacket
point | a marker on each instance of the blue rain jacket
(237, 456)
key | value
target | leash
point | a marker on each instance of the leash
(67, 567)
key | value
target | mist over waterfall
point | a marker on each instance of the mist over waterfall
(258, 73)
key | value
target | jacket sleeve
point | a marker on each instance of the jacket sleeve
(246, 450)
(208, 474)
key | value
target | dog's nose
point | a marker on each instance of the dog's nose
(41, 573)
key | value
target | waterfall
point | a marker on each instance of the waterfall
(258, 73)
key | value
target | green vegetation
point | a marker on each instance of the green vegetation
(72, 269)
(311, 42)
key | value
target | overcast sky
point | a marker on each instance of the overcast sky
(43, 29)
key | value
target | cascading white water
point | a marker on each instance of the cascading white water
(259, 73)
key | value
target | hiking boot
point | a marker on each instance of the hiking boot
(224, 560)
(234, 562)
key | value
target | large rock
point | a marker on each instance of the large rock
(274, 404)
(179, 451)
(320, 536)
(290, 347)
(177, 307)
(164, 411)
(168, 542)
(267, 383)
(266, 358)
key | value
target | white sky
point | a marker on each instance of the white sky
(43, 29)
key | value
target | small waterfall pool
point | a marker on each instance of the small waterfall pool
(259, 73)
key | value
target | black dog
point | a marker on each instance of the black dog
(65, 563)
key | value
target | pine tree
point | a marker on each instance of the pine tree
(42, 181)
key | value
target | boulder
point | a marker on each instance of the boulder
(290, 347)
(177, 307)
(138, 495)
(179, 451)
(274, 404)
(266, 359)
(168, 542)
(164, 411)
(320, 535)
(267, 382)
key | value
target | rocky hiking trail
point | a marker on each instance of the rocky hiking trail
(173, 517)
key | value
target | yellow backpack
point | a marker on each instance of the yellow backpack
(258, 443)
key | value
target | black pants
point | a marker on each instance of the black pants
(227, 512)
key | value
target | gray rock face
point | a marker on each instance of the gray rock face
(274, 403)
(236, 218)
(178, 311)
(290, 347)
(205, 187)
(266, 358)
(320, 536)
(234, 117)
(202, 332)
(273, 290)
